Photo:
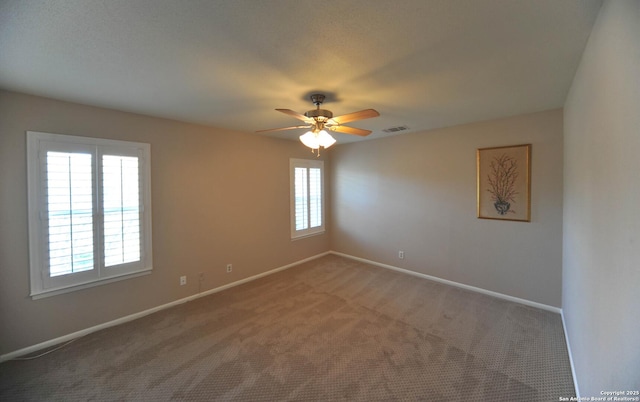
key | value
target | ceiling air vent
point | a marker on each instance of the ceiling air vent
(395, 129)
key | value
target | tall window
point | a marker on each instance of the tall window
(307, 197)
(89, 211)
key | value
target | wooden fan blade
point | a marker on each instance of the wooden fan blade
(296, 115)
(351, 130)
(281, 129)
(361, 115)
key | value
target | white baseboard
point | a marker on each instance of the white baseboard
(131, 317)
(526, 302)
(573, 368)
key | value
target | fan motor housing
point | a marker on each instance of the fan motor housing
(318, 114)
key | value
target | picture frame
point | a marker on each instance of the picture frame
(504, 183)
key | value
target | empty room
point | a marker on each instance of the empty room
(295, 200)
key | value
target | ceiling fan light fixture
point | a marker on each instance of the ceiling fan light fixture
(317, 140)
(310, 140)
(325, 139)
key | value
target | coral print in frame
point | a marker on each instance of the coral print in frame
(504, 183)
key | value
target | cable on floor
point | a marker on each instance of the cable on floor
(48, 351)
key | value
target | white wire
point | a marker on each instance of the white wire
(47, 352)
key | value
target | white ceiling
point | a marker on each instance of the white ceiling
(229, 63)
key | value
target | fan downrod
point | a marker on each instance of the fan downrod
(317, 114)
(317, 99)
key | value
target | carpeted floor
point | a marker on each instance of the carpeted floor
(330, 329)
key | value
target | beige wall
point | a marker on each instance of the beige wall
(218, 197)
(601, 259)
(221, 196)
(417, 193)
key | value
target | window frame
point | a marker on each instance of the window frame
(42, 284)
(307, 164)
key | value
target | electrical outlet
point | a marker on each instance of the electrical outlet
(401, 254)
(201, 277)
(229, 268)
(183, 280)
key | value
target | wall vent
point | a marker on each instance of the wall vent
(395, 129)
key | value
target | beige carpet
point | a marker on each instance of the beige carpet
(331, 329)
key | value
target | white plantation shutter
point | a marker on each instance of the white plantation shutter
(315, 197)
(307, 198)
(121, 209)
(301, 201)
(69, 212)
(89, 211)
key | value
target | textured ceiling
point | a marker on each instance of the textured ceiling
(229, 63)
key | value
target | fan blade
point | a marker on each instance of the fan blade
(281, 129)
(361, 115)
(351, 130)
(296, 115)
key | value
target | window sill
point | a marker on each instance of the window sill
(72, 288)
(304, 236)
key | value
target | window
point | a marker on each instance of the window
(89, 211)
(307, 197)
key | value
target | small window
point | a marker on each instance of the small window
(89, 211)
(307, 197)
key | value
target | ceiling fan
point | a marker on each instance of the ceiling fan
(318, 120)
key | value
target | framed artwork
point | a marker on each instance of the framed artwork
(504, 183)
